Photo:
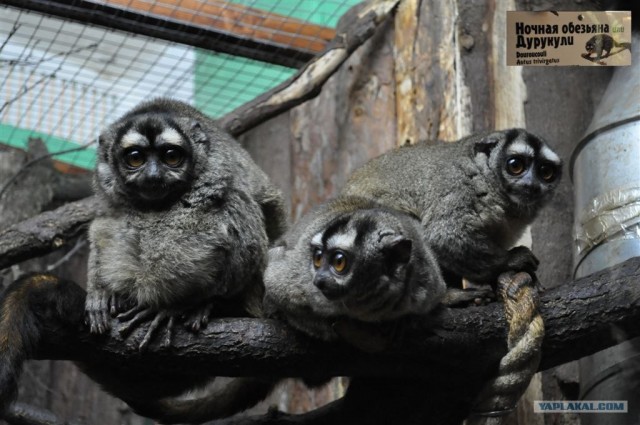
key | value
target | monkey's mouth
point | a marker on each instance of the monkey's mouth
(154, 192)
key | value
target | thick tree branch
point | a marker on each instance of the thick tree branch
(46, 232)
(581, 317)
(443, 359)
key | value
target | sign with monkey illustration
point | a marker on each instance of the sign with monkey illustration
(550, 38)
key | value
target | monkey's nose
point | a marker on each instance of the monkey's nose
(329, 287)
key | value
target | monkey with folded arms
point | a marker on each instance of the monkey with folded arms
(351, 258)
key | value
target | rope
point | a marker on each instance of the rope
(499, 396)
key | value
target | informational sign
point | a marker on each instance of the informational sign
(553, 38)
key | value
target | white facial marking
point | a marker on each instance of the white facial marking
(343, 240)
(521, 147)
(133, 138)
(171, 136)
(317, 239)
(549, 155)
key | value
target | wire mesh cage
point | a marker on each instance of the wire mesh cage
(68, 68)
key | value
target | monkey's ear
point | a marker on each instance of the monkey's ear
(398, 249)
(193, 129)
(196, 132)
(487, 143)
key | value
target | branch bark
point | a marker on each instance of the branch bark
(443, 359)
(46, 232)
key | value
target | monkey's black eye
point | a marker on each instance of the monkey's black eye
(547, 172)
(516, 165)
(134, 158)
(317, 258)
(339, 262)
(173, 157)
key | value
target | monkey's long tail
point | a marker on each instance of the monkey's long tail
(623, 45)
(238, 395)
(517, 367)
(22, 306)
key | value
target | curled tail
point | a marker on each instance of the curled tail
(22, 307)
(238, 395)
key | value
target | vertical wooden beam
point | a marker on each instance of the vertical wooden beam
(406, 24)
(509, 90)
(432, 100)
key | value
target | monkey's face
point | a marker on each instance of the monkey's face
(529, 170)
(150, 157)
(590, 46)
(357, 260)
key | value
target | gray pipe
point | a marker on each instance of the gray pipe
(605, 168)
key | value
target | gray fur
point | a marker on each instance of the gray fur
(201, 232)
(471, 209)
(378, 286)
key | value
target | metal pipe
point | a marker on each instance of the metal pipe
(605, 168)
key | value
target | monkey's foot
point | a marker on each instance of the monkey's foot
(198, 318)
(132, 318)
(98, 306)
(455, 297)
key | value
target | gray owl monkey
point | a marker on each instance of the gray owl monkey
(474, 197)
(188, 219)
(351, 258)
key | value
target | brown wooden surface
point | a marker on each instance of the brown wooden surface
(237, 19)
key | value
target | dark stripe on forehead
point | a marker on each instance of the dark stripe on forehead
(511, 135)
(364, 226)
(532, 140)
(150, 127)
(335, 226)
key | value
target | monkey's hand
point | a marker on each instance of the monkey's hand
(141, 313)
(521, 259)
(100, 306)
(198, 318)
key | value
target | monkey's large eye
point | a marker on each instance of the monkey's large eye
(339, 262)
(134, 158)
(516, 165)
(317, 258)
(173, 157)
(547, 172)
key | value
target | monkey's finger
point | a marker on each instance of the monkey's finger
(169, 334)
(132, 323)
(113, 305)
(202, 318)
(129, 314)
(104, 321)
(153, 327)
